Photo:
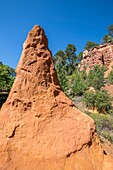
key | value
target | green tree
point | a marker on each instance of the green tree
(110, 30)
(65, 63)
(79, 57)
(107, 39)
(90, 45)
(60, 58)
(79, 84)
(7, 75)
(63, 79)
(60, 64)
(70, 58)
(96, 77)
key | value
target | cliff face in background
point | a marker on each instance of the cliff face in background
(40, 128)
(102, 55)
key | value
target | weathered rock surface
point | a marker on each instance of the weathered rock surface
(40, 129)
(102, 55)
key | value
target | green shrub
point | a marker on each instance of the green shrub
(103, 101)
(7, 75)
(98, 99)
(63, 79)
(89, 99)
(110, 77)
(96, 77)
(79, 84)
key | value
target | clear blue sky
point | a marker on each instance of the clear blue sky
(64, 22)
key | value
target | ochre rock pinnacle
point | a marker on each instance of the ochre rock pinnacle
(40, 128)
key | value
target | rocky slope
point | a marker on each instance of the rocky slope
(40, 128)
(102, 55)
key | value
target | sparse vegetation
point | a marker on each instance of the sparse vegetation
(104, 125)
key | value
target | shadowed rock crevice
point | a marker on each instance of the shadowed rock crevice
(13, 132)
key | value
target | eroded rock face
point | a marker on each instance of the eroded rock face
(40, 128)
(102, 55)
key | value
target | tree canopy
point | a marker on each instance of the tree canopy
(108, 38)
(90, 45)
(6, 76)
(110, 30)
(65, 63)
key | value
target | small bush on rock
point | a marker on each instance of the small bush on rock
(99, 100)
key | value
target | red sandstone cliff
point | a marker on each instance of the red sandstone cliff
(102, 55)
(40, 129)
